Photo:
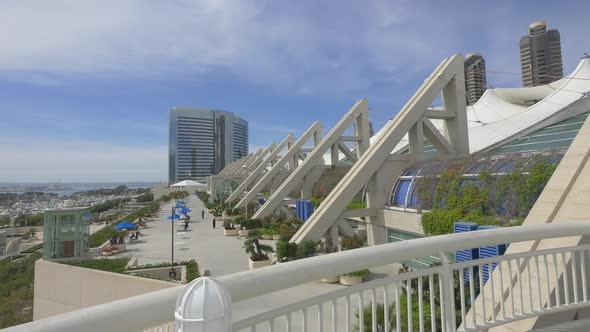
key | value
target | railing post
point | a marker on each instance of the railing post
(448, 294)
(204, 305)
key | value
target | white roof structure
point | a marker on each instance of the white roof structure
(503, 114)
(189, 183)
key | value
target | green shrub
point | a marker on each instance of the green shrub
(308, 248)
(16, 290)
(265, 231)
(257, 251)
(317, 201)
(33, 249)
(356, 203)
(228, 224)
(192, 270)
(286, 250)
(116, 265)
(403, 303)
(351, 242)
(251, 224)
(360, 273)
(439, 221)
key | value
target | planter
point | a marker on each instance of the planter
(347, 280)
(258, 264)
(243, 232)
(107, 253)
(230, 232)
(267, 236)
(276, 236)
(331, 280)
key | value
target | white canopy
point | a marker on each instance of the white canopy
(189, 184)
(503, 114)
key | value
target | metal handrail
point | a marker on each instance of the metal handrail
(148, 310)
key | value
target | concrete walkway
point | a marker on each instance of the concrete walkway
(217, 253)
(209, 247)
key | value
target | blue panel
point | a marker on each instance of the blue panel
(490, 251)
(467, 254)
(414, 199)
(401, 191)
(304, 209)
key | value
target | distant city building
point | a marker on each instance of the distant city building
(475, 77)
(203, 141)
(540, 55)
(65, 232)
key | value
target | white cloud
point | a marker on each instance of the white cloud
(80, 161)
(308, 48)
(313, 48)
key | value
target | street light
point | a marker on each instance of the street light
(172, 217)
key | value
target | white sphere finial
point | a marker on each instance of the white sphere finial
(203, 306)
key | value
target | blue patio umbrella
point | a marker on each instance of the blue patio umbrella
(180, 202)
(174, 216)
(185, 210)
(125, 225)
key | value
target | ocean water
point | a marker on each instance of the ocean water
(66, 189)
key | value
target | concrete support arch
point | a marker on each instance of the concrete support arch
(377, 164)
(309, 171)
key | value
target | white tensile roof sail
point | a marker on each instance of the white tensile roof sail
(187, 183)
(503, 114)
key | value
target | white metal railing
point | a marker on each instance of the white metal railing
(523, 285)
(435, 291)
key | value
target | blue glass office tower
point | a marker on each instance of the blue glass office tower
(203, 141)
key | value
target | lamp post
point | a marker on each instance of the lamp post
(172, 271)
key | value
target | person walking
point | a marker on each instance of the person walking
(202, 214)
(213, 222)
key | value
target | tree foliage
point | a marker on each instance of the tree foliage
(16, 290)
(502, 200)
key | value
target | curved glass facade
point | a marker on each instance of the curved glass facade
(546, 145)
(556, 136)
(404, 193)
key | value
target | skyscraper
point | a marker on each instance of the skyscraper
(475, 77)
(540, 55)
(203, 141)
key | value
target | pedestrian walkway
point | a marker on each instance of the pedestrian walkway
(214, 252)
(209, 247)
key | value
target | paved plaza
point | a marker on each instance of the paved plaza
(209, 247)
(214, 252)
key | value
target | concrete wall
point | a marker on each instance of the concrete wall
(61, 288)
(161, 273)
(402, 220)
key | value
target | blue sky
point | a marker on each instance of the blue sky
(85, 86)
